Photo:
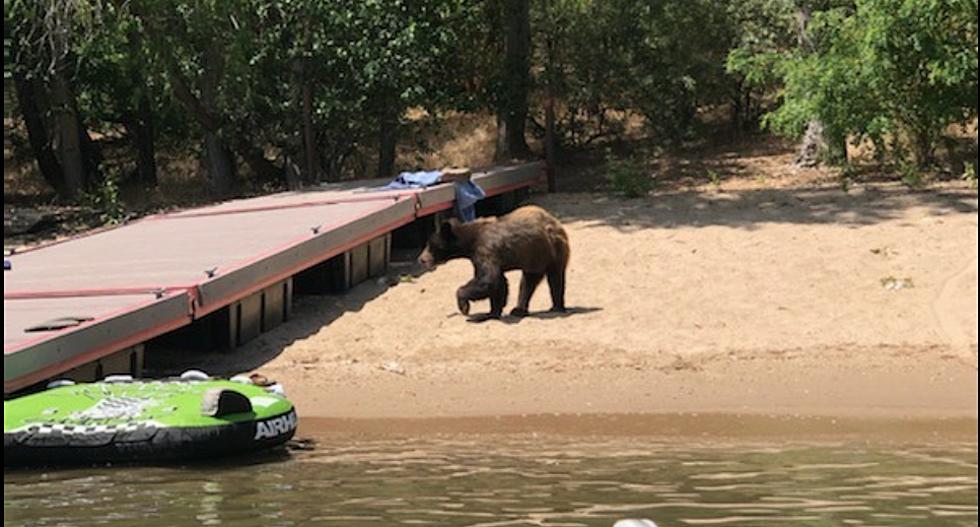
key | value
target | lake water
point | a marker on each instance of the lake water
(520, 480)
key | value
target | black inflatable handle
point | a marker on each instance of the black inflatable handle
(218, 402)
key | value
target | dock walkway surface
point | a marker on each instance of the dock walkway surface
(119, 287)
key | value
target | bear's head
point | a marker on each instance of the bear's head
(443, 245)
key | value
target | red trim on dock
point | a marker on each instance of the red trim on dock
(47, 335)
(52, 370)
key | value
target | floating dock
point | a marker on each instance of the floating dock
(87, 306)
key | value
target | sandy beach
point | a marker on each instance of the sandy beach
(755, 301)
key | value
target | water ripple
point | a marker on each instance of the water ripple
(515, 481)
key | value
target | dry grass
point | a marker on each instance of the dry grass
(458, 140)
(719, 162)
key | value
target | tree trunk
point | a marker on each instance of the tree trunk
(814, 147)
(738, 116)
(749, 116)
(37, 132)
(292, 173)
(387, 140)
(262, 169)
(67, 135)
(142, 119)
(220, 164)
(309, 136)
(513, 105)
(310, 154)
(549, 110)
(218, 157)
(222, 176)
(924, 148)
(146, 163)
(302, 144)
(91, 154)
(549, 143)
(741, 105)
(32, 100)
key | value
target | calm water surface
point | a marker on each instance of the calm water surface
(496, 481)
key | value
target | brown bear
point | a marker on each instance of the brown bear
(528, 239)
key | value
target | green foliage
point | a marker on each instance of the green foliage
(713, 177)
(896, 72)
(764, 30)
(846, 177)
(105, 199)
(375, 58)
(253, 72)
(910, 174)
(970, 174)
(628, 177)
(609, 61)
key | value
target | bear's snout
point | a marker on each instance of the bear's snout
(426, 259)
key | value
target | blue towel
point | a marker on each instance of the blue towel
(414, 180)
(467, 194)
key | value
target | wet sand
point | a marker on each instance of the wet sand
(676, 428)
(830, 384)
(791, 302)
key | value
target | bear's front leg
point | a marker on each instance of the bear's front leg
(470, 291)
(462, 302)
(493, 287)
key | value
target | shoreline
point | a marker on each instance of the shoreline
(709, 426)
(926, 388)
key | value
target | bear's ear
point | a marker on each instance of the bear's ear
(448, 229)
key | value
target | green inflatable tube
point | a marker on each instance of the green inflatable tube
(143, 421)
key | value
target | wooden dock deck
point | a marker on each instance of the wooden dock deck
(84, 307)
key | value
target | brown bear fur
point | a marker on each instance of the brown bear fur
(528, 239)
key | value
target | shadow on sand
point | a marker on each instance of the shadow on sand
(543, 315)
(748, 209)
(310, 314)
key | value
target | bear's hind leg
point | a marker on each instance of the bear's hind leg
(556, 282)
(529, 282)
